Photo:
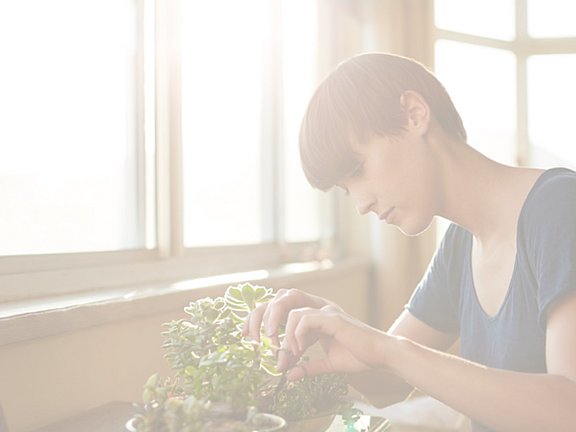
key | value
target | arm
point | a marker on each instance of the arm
(502, 400)
(382, 388)
(379, 387)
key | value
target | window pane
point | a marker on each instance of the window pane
(68, 135)
(488, 18)
(482, 84)
(302, 203)
(551, 95)
(222, 79)
(551, 18)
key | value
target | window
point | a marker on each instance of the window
(162, 147)
(68, 141)
(242, 101)
(509, 66)
(551, 92)
(223, 141)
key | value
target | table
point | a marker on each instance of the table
(113, 416)
(110, 417)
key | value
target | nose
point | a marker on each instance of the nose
(364, 207)
(362, 198)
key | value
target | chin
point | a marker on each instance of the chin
(414, 227)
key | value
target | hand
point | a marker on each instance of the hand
(349, 344)
(274, 313)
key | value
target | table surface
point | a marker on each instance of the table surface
(112, 417)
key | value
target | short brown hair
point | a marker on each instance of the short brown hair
(361, 98)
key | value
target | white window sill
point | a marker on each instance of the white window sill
(32, 319)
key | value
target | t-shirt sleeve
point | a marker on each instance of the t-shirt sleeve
(435, 300)
(551, 229)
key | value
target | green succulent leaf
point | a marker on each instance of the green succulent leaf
(147, 396)
(152, 381)
(249, 296)
(214, 362)
(270, 367)
(263, 294)
(190, 370)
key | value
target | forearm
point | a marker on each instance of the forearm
(380, 388)
(502, 400)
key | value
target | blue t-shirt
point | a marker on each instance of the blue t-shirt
(544, 271)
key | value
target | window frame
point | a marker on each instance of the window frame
(28, 277)
(522, 46)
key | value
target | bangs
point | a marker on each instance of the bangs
(351, 105)
(326, 135)
(334, 120)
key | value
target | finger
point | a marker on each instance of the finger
(246, 325)
(309, 369)
(311, 326)
(290, 340)
(285, 360)
(304, 328)
(255, 321)
(276, 313)
(275, 340)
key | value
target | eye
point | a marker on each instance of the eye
(344, 189)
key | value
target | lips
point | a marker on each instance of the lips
(384, 216)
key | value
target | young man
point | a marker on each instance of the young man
(503, 280)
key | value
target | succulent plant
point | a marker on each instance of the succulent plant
(214, 363)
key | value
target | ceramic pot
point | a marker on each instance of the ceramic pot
(313, 424)
(260, 422)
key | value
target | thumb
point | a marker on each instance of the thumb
(310, 369)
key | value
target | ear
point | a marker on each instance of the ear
(417, 112)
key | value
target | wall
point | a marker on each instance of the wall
(50, 378)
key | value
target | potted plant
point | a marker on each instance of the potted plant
(167, 408)
(216, 366)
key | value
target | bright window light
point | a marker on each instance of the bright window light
(68, 140)
(242, 103)
(482, 84)
(488, 18)
(300, 56)
(551, 95)
(551, 18)
(223, 45)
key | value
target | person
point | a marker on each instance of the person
(503, 279)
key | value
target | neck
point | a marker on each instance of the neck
(481, 195)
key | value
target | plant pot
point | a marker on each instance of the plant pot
(264, 422)
(260, 422)
(312, 424)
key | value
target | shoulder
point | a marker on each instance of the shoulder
(553, 184)
(435, 301)
(552, 199)
(454, 235)
(450, 254)
(454, 241)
